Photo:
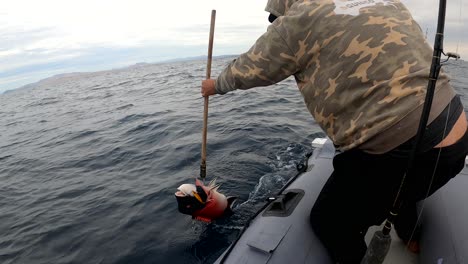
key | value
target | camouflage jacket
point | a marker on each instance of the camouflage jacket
(362, 67)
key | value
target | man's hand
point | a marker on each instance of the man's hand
(208, 87)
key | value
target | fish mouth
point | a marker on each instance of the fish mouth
(197, 196)
(180, 194)
(194, 194)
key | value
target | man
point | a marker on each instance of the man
(362, 68)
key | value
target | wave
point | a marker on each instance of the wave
(90, 164)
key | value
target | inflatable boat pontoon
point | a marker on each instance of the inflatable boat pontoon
(281, 232)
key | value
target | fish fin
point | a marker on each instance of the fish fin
(216, 187)
(212, 183)
(231, 200)
(229, 209)
(198, 183)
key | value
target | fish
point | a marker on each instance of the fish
(203, 202)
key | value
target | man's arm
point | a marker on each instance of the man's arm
(269, 61)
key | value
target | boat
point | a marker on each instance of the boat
(281, 233)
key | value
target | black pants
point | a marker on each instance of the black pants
(361, 190)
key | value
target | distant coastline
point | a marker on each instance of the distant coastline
(140, 64)
(74, 74)
(197, 58)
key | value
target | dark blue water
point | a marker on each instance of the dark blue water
(89, 162)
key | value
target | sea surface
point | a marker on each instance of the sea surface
(89, 162)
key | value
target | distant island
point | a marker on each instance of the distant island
(140, 64)
(198, 58)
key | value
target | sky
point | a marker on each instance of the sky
(39, 39)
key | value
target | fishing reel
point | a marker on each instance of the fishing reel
(452, 55)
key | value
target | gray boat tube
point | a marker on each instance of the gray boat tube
(283, 234)
(280, 232)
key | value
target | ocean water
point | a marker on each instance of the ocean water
(89, 162)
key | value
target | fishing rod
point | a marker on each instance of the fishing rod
(380, 243)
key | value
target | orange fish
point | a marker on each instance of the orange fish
(202, 202)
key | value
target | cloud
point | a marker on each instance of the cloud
(52, 32)
(36, 67)
(456, 22)
(7, 53)
(56, 36)
(17, 38)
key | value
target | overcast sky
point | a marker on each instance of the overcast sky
(42, 38)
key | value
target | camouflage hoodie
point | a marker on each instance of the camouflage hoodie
(362, 67)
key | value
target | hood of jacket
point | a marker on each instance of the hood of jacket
(279, 7)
